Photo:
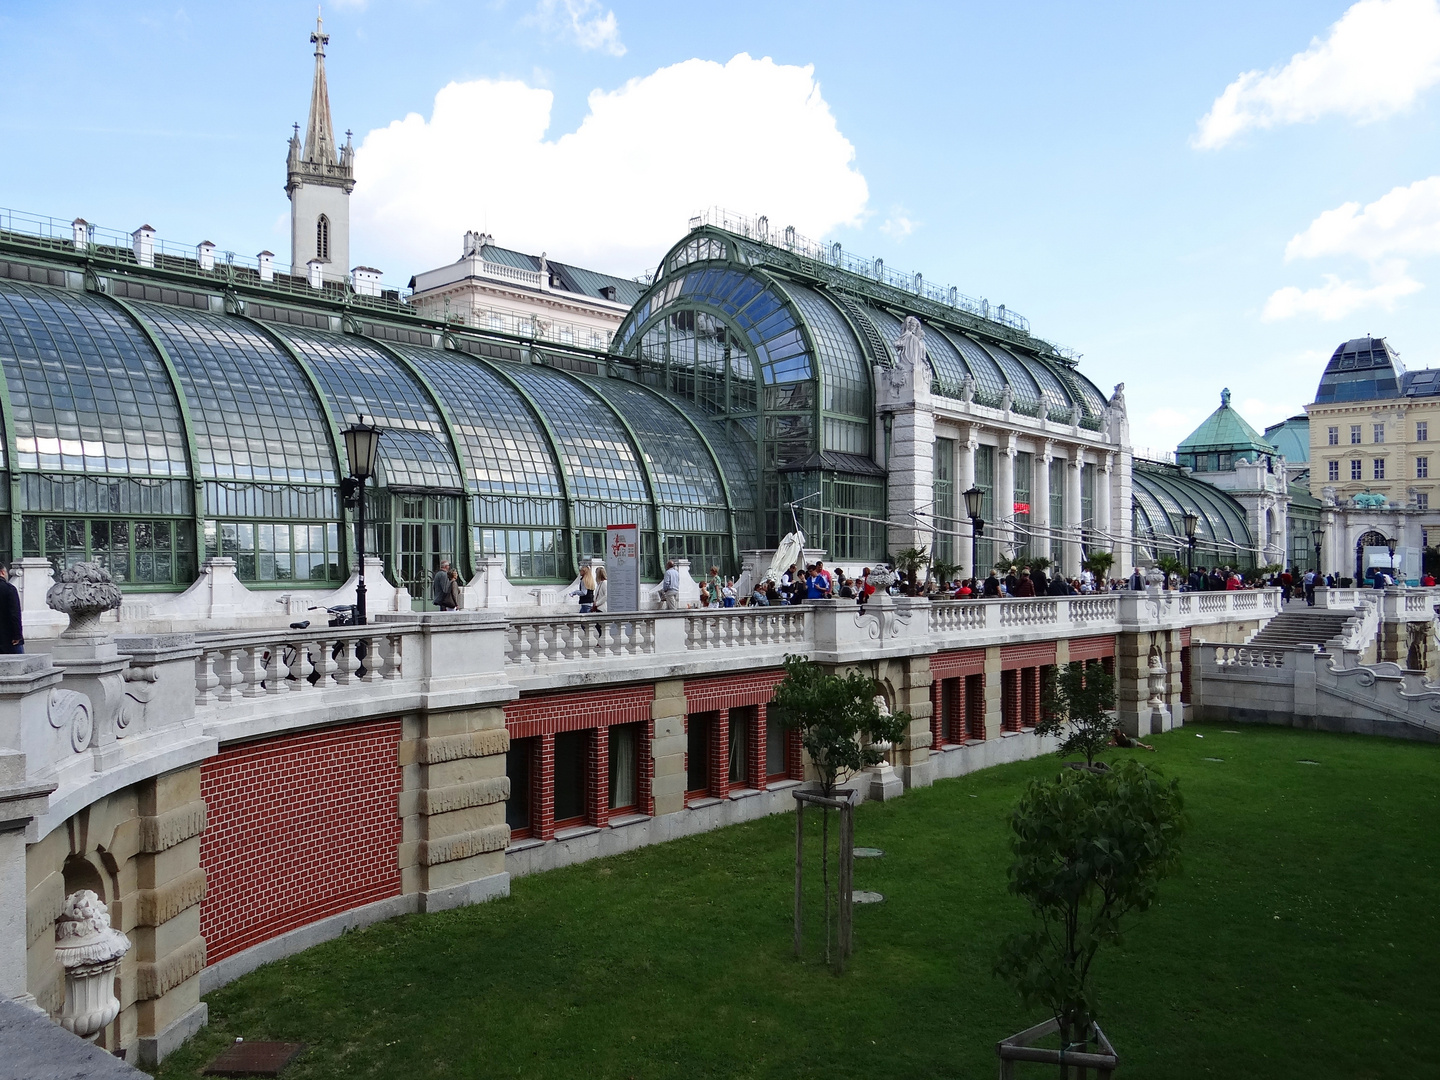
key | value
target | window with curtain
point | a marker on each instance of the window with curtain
(624, 790)
(776, 765)
(740, 724)
(697, 754)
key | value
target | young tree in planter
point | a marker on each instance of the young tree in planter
(1090, 849)
(1076, 706)
(840, 721)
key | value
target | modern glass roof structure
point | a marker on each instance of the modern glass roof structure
(1362, 369)
(1162, 494)
(776, 341)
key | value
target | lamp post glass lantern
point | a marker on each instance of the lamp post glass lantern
(977, 527)
(1318, 535)
(362, 448)
(1192, 522)
(1392, 543)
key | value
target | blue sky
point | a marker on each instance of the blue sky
(1051, 157)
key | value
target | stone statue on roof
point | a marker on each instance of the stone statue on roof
(1225, 398)
(1117, 399)
(967, 389)
(911, 344)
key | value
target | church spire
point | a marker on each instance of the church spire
(320, 132)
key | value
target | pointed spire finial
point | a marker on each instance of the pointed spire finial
(319, 38)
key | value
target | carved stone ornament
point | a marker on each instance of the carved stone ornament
(884, 746)
(89, 951)
(71, 710)
(1117, 399)
(967, 389)
(882, 577)
(1007, 398)
(85, 591)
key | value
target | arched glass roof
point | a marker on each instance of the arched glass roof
(253, 412)
(506, 451)
(359, 378)
(989, 378)
(1163, 494)
(1050, 389)
(600, 460)
(761, 312)
(845, 373)
(88, 392)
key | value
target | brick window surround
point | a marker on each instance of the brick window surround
(298, 827)
(744, 699)
(543, 717)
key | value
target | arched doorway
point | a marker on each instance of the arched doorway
(1370, 538)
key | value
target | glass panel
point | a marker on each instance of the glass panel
(571, 758)
(775, 738)
(255, 415)
(697, 756)
(623, 789)
(517, 768)
(88, 391)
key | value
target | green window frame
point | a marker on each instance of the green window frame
(277, 553)
(141, 554)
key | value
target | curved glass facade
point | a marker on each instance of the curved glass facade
(1163, 494)
(109, 401)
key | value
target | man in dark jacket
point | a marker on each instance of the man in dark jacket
(12, 632)
(992, 586)
(1042, 583)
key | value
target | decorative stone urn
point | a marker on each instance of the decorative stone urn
(85, 591)
(884, 783)
(1160, 718)
(90, 951)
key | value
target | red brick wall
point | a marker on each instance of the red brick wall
(731, 691)
(547, 714)
(1091, 648)
(298, 827)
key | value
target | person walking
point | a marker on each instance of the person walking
(442, 589)
(1309, 582)
(585, 590)
(12, 630)
(602, 591)
(670, 587)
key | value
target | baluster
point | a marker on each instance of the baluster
(277, 670)
(300, 665)
(322, 662)
(206, 681)
(346, 664)
(252, 670)
(368, 668)
(227, 673)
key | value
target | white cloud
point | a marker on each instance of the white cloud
(1403, 222)
(617, 191)
(1378, 57)
(588, 22)
(1336, 299)
(899, 224)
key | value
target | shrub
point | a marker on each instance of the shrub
(1089, 849)
(1076, 704)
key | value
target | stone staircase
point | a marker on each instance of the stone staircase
(1301, 625)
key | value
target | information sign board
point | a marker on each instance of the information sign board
(622, 568)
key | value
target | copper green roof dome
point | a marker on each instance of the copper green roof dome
(1291, 437)
(1224, 436)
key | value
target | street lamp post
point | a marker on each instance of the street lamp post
(1192, 522)
(1392, 543)
(362, 447)
(1318, 535)
(977, 527)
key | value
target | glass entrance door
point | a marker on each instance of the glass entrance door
(427, 531)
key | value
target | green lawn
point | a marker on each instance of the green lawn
(1300, 940)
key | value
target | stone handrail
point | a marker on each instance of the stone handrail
(564, 638)
(231, 667)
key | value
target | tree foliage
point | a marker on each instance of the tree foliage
(1099, 564)
(1076, 703)
(1170, 564)
(1089, 849)
(838, 719)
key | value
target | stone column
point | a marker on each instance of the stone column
(911, 482)
(1073, 467)
(1121, 519)
(1005, 497)
(667, 748)
(994, 693)
(1132, 682)
(1040, 499)
(964, 481)
(1102, 495)
(913, 756)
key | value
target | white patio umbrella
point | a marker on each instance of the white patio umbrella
(791, 550)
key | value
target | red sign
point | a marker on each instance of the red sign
(1022, 508)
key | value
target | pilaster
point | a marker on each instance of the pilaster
(452, 799)
(667, 747)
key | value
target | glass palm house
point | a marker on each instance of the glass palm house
(162, 414)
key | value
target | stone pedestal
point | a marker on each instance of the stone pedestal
(885, 784)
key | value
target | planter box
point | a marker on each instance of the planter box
(1019, 1048)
